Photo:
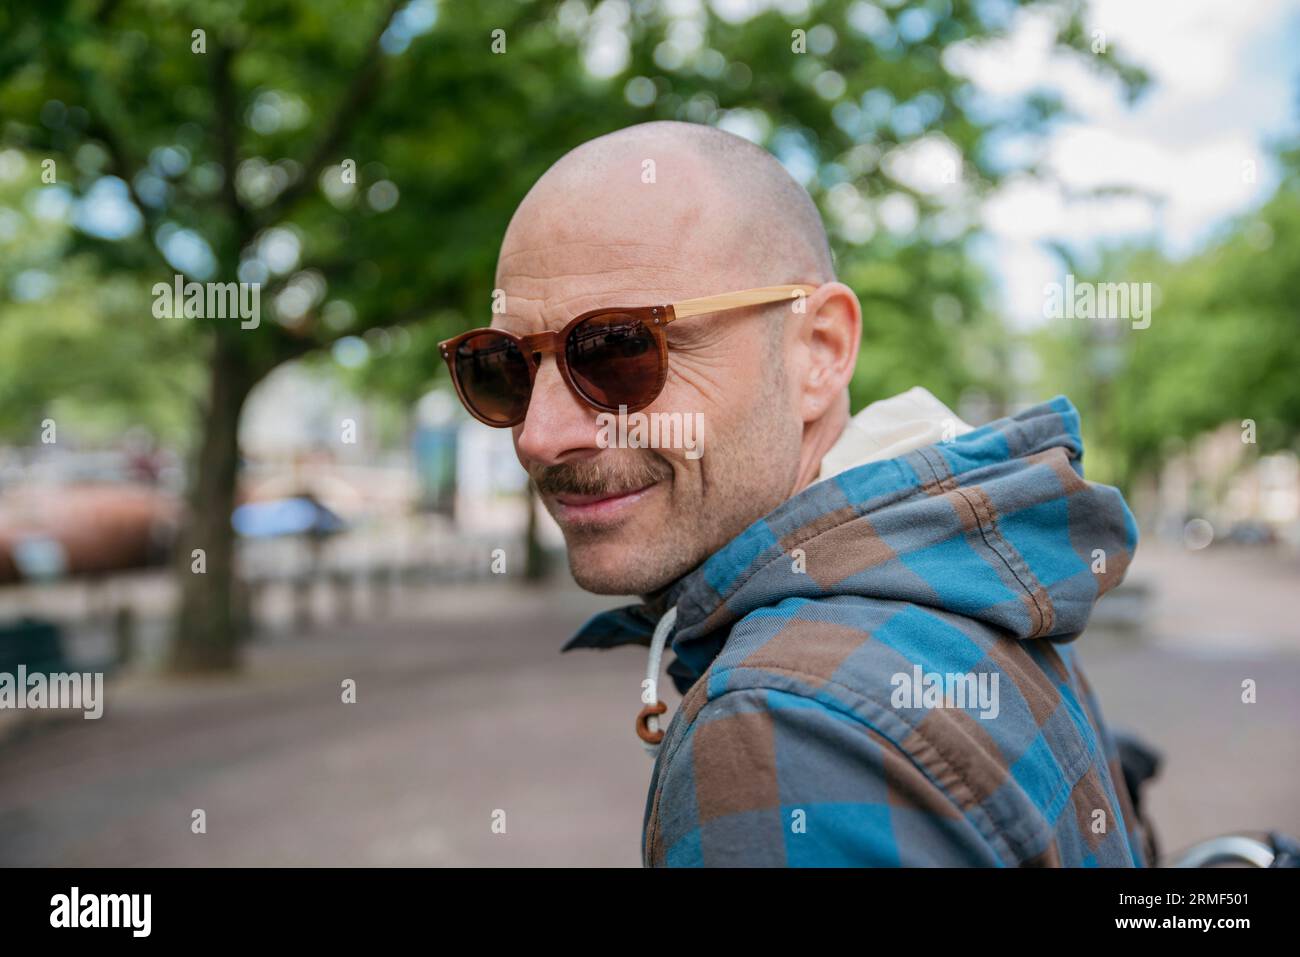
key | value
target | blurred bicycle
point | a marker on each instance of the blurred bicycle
(1141, 764)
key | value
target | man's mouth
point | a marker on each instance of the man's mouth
(601, 508)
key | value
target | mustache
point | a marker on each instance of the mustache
(600, 476)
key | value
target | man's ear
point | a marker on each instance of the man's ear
(829, 337)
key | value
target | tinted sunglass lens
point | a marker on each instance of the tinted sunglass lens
(614, 360)
(493, 376)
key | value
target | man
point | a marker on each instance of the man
(871, 617)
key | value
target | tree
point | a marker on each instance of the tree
(1223, 344)
(361, 161)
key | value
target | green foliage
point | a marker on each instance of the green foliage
(286, 90)
(73, 344)
(1223, 345)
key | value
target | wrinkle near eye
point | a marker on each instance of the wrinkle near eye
(694, 334)
(694, 375)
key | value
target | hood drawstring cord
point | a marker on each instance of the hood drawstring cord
(647, 722)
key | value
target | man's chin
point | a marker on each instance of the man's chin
(635, 565)
(601, 583)
(612, 569)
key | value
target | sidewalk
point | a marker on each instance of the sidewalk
(1223, 600)
(476, 712)
(452, 722)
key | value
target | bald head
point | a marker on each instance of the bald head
(711, 202)
(651, 215)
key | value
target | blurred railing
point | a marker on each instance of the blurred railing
(284, 587)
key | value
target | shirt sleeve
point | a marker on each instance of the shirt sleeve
(765, 778)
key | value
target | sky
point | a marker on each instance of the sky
(1225, 84)
(1192, 152)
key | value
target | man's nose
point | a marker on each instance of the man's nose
(558, 424)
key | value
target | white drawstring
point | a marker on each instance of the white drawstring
(651, 683)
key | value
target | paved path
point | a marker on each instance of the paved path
(451, 723)
(457, 720)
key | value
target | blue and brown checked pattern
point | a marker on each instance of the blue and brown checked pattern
(982, 556)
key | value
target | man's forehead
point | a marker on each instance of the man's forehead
(610, 195)
(596, 233)
(550, 284)
(549, 280)
(629, 222)
(627, 260)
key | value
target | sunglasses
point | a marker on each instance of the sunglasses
(612, 358)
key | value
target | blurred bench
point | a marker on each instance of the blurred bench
(36, 644)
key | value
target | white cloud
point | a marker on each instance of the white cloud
(1193, 188)
(1193, 148)
(1192, 47)
(930, 165)
(1031, 210)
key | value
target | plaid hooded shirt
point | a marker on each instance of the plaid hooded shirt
(881, 671)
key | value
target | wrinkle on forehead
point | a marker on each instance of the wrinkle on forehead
(546, 260)
(549, 284)
(603, 256)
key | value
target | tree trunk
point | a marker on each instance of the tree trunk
(534, 555)
(205, 634)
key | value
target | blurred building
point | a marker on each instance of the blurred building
(1218, 478)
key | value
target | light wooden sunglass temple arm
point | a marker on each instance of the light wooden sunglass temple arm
(736, 300)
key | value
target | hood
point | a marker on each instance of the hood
(888, 428)
(996, 524)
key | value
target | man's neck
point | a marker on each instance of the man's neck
(818, 438)
(890, 427)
